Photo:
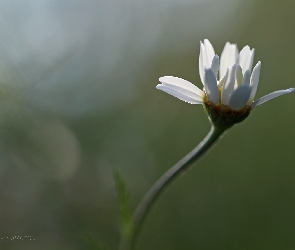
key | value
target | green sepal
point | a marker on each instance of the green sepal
(222, 116)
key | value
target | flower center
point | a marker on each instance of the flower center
(223, 116)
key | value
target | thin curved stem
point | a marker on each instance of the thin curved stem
(164, 181)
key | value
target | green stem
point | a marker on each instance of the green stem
(170, 175)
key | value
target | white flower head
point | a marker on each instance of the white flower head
(230, 84)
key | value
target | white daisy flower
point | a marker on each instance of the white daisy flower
(232, 96)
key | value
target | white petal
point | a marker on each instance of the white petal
(178, 93)
(270, 96)
(209, 51)
(240, 97)
(250, 61)
(181, 89)
(254, 80)
(201, 62)
(229, 57)
(239, 76)
(246, 57)
(223, 80)
(215, 65)
(206, 62)
(246, 78)
(211, 86)
(228, 86)
(172, 80)
(243, 56)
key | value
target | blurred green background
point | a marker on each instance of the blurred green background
(78, 99)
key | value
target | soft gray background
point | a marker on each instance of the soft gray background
(78, 99)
